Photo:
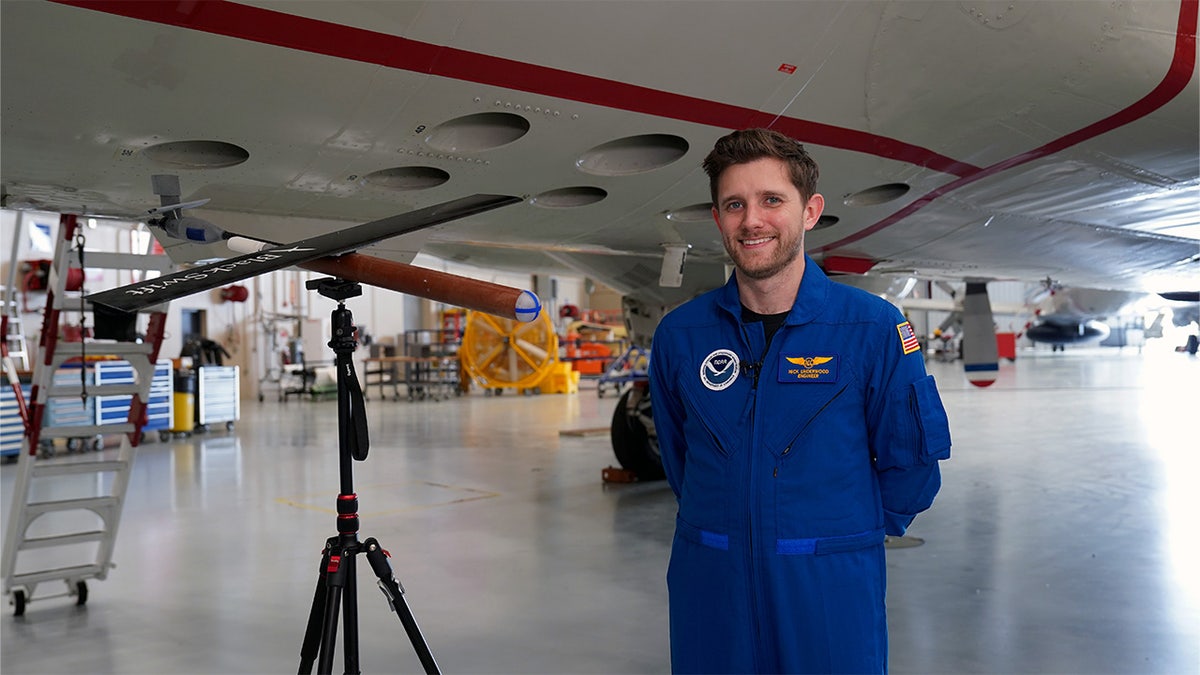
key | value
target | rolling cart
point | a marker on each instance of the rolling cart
(218, 396)
(632, 365)
(115, 409)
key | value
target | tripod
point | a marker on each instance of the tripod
(336, 579)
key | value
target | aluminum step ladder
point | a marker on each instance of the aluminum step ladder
(65, 511)
(15, 346)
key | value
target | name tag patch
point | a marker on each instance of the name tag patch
(808, 368)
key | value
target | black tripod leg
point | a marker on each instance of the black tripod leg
(395, 596)
(350, 616)
(312, 634)
(335, 582)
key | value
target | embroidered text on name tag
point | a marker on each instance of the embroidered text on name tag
(816, 368)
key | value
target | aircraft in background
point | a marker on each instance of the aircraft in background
(1052, 314)
(1076, 316)
(958, 141)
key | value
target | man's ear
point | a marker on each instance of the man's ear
(812, 211)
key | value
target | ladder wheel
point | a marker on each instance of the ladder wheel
(81, 593)
(19, 602)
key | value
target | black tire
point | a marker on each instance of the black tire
(18, 602)
(631, 443)
(81, 593)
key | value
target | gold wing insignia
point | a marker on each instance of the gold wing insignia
(808, 361)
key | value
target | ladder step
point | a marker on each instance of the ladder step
(75, 389)
(71, 302)
(122, 261)
(96, 504)
(65, 350)
(41, 469)
(77, 572)
(62, 539)
(86, 431)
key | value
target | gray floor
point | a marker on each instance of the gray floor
(1064, 539)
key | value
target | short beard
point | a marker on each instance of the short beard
(772, 270)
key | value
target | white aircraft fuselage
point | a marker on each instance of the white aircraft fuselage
(981, 140)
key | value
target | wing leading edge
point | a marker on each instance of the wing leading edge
(139, 296)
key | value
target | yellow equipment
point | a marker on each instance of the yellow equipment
(503, 353)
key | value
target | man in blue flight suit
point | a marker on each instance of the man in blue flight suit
(797, 427)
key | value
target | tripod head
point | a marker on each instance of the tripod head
(343, 340)
(334, 288)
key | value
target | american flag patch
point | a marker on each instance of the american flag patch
(908, 338)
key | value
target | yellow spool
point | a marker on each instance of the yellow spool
(498, 352)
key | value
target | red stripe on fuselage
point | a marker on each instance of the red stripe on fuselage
(1178, 75)
(322, 37)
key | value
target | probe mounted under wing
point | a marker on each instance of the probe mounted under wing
(119, 304)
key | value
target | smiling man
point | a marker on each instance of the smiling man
(797, 427)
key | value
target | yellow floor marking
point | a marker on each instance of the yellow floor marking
(302, 501)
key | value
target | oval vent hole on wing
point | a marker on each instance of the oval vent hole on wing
(200, 154)
(826, 221)
(408, 178)
(874, 196)
(570, 197)
(632, 155)
(696, 213)
(478, 132)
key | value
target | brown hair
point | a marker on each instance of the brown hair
(748, 145)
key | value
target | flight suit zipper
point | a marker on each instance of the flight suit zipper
(754, 370)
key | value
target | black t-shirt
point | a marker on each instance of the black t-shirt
(770, 322)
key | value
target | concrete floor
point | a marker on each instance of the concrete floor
(1064, 539)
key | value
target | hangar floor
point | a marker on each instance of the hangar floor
(1064, 539)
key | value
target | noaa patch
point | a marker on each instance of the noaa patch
(719, 369)
(820, 368)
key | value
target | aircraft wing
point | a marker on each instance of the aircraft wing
(964, 141)
(143, 294)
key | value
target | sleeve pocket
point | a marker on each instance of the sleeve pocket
(931, 418)
(918, 432)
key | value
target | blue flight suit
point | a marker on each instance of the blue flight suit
(790, 462)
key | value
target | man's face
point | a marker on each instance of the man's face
(762, 217)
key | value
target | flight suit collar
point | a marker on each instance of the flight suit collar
(810, 299)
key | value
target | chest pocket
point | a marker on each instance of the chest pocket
(718, 419)
(802, 410)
